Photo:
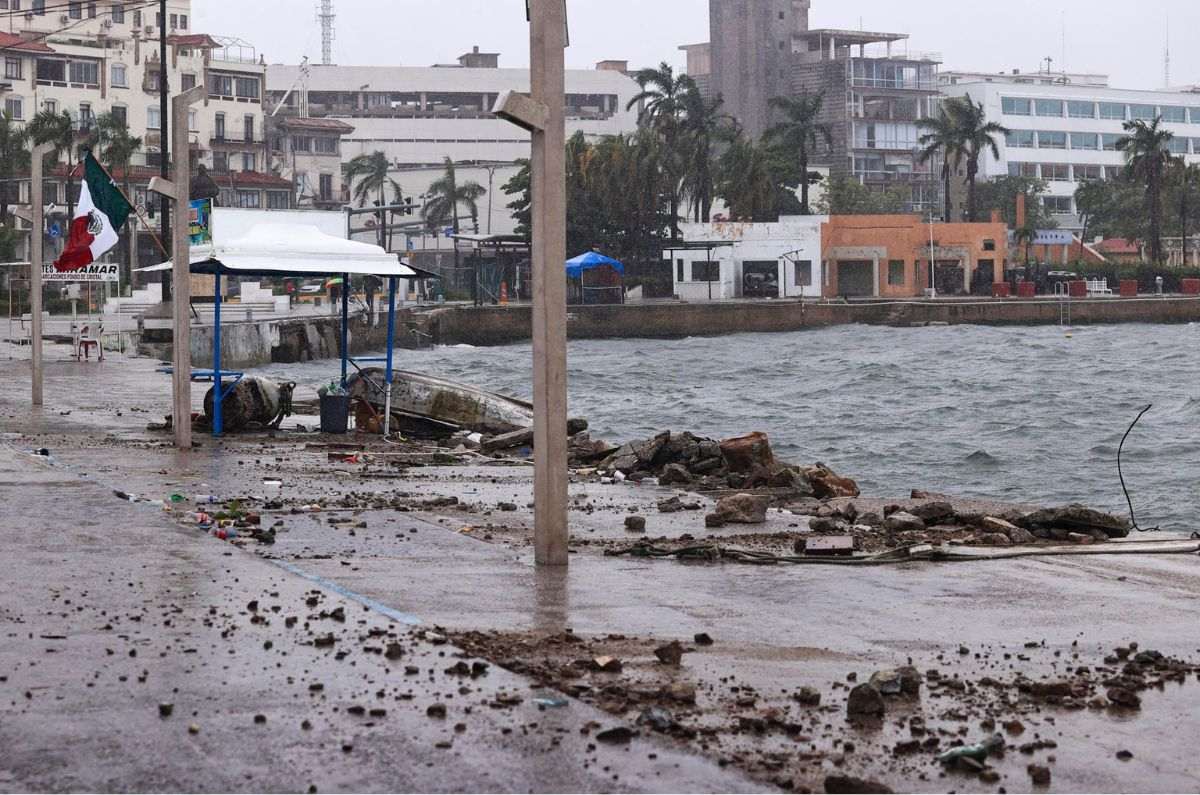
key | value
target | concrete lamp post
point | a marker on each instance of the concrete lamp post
(37, 260)
(543, 115)
(177, 189)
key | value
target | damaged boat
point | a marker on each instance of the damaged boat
(428, 405)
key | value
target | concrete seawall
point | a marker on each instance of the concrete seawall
(505, 325)
(250, 344)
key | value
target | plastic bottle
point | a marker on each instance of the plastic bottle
(206, 499)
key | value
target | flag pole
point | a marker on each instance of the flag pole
(125, 196)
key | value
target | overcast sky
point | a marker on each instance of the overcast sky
(1121, 38)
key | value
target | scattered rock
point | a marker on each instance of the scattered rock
(934, 512)
(617, 734)
(808, 696)
(670, 654)
(635, 524)
(1074, 518)
(165, 710)
(1123, 697)
(702, 639)
(743, 509)
(865, 701)
(436, 711)
(746, 454)
(656, 718)
(854, 786)
(904, 522)
(1039, 775)
(827, 484)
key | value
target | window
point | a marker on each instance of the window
(118, 14)
(1015, 107)
(91, 8)
(120, 114)
(50, 106)
(1022, 139)
(804, 273)
(278, 200)
(1108, 141)
(1174, 114)
(39, 6)
(1023, 170)
(50, 192)
(1143, 112)
(989, 245)
(1177, 146)
(174, 21)
(86, 117)
(896, 273)
(1088, 172)
(187, 81)
(705, 271)
(1056, 172)
(678, 270)
(220, 86)
(51, 71)
(219, 128)
(193, 126)
(119, 78)
(154, 159)
(152, 118)
(1196, 146)
(1051, 140)
(75, 10)
(247, 87)
(12, 68)
(151, 79)
(1057, 205)
(1112, 111)
(137, 19)
(326, 187)
(87, 72)
(220, 162)
(1113, 172)
(1085, 141)
(183, 22)
(1048, 107)
(14, 108)
(248, 128)
(302, 143)
(325, 146)
(249, 198)
(248, 161)
(1081, 110)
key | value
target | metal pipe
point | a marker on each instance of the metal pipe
(217, 356)
(345, 327)
(391, 343)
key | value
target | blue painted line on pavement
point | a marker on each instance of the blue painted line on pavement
(366, 601)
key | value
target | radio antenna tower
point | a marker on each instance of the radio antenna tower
(325, 16)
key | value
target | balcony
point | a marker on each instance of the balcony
(894, 177)
(236, 142)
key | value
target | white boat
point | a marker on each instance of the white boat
(444, 401)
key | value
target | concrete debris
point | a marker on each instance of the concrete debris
(1059, 523)
(670, 654)
(865, 701)
(903, 521)
(742, 509)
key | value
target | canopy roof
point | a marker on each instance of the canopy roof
(592, 259)
(293, 250)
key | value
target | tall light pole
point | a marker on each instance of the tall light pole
(543, 114)
(37, 259)
(164, 149)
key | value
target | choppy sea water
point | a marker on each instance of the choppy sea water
(1031, 414)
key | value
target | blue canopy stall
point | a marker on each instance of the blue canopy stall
(293, 250)
(590, 261)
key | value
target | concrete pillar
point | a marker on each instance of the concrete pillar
(424, 101)
(547, 79)
(967, 275)
(875, 269)
(37, 258)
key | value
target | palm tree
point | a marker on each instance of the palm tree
(371, 171)
(1188, 176)
(59, 130)
(800, 133)
(976, 135)
(703, 127)
(446, 194)
(14, 156)
(1147, 155)
(746, 182)
(944, 141)
(663, 97)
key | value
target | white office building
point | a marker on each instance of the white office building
(1065, 128)
(730, 259)
(418, 116)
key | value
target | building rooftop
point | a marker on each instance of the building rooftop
(15, 43)
(850, 37)
(1042, 77)
(318, 125)
(199, 40)
(408, 79)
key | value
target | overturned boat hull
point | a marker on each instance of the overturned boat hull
(443, 401)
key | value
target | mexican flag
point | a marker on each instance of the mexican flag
(101, 211)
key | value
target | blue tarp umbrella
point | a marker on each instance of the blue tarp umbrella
(592, 259)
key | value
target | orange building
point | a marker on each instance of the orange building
(887, 256)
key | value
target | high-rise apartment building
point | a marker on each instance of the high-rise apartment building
(751, 53)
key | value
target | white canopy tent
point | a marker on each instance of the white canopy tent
(296, 250)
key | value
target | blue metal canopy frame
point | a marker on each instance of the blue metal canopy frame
(220, 392)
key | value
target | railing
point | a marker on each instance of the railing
(889, 83)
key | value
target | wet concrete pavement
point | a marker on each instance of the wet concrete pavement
(776, 628)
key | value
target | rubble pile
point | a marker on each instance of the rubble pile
(743, 462)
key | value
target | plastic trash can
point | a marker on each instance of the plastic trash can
(335, 413)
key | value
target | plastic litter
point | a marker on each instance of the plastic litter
(978, 751)
(552, 702)
(206, 499)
